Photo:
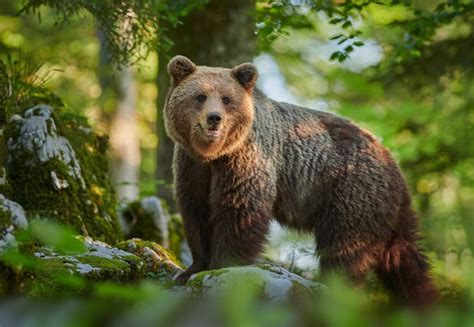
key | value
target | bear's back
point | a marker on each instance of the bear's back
(314, 153)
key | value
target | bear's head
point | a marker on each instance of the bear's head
(209, 110)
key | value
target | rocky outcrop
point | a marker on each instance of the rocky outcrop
(274, 283)
(54, 271)
(52, 163)
(39, 141)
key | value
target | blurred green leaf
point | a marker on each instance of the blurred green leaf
(61, 238)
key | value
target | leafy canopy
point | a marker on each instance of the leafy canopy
(131, 28)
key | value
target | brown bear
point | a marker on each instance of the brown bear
(242, 159)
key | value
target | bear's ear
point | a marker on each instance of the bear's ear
(179, 68)
(246, 74)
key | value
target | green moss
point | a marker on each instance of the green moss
(110, 269)
(73, 274)
(160, 264)
(197, 280)
(5, 218)
(33, 189)
(91, 151)
(43, 283)
(46, 280)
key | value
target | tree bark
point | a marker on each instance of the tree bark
(122, 124)
(222, 33)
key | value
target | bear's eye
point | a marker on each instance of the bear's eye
(226, 100)
(201, 97)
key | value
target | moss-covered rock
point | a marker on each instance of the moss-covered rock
(55, 272)
(274, 283)
(159, 263)
(53, 163)
(146, 219)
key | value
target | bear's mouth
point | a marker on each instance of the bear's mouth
(211, 132)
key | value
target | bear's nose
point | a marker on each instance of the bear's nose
(214, 118)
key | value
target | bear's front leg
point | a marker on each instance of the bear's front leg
(192, 183)
(241, 200)
(238, 236)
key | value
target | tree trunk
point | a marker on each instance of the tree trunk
(120, 120)
(222, 33)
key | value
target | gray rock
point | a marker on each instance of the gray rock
(276, 283)
(152, 205)
(12, 218)
(38, 137)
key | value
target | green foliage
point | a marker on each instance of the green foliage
(131, 28)
(23, 84)
(418, 25)
(114, 291)
(274, 18)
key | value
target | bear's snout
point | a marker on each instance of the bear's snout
(214, 119)
(212, 125)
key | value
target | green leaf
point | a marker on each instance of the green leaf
(14, 258)
(335, 37)
(346, 24)
(60, 238)
(335, 55)
(349, 49)
(342, 41)
(342, 56)
(358, 43)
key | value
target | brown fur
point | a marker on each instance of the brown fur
(310, 170)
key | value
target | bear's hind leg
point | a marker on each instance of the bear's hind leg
(351, 259)
(404, 271)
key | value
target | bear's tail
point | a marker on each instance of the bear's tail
(404, 271)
